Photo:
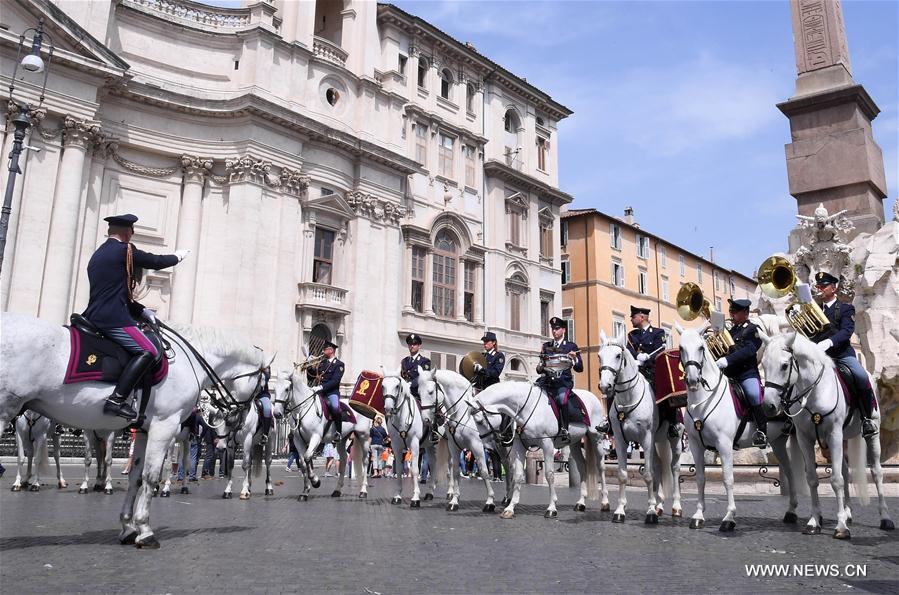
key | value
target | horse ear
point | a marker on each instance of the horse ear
(763, 336)
(678, 328)
(620, 339)
(305, 352)
(603, 337)
(791, 338)
(271, 361)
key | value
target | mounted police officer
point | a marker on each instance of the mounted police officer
(559, 383)
(410, 364)
(645, 342)
(740, 364)
(265, 401)
(496, 361)
(834, 340)
(113, 272)
(330, 372)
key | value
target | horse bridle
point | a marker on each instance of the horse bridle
(785, 391)
(288, 392)
(623, 410)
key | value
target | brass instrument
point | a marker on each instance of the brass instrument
(777, 278)
(466, 366)
(691, 304)
(207, 411)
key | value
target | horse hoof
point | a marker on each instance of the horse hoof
(80, 490)
(108, 491)
(887, 525)
(226, 495)
(129, 538)
(363, 495)
(727, 526)
(506, 501)
(316, 483)
(849, 520)
(302, 498)
(165, 494)
(651, 519)
(150, 543)
(452, 507)
(34, 488)
(605, 507)
(62, 485)
(617, 518)
(155, 491)
(184, 490)
(811, 530)
(507, 514)
(550, 514)
(396, 500)
(245, 496)
(415, 504)
(335, 494)
(790, 518)
(579, 508)
(677, 512)
(841, 534)
(429, 497)
(492, 508)
(697, 524)
(269, 492)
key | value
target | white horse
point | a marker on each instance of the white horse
(243, 427)
(802, 382)
(405, 425)
(635, 418)
(537, 426)
(98, 445)
(713, 425)
(294, 397)
(32, 430)
(34, 355)
(451, 394)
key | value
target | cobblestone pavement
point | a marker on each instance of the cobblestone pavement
(57, 540)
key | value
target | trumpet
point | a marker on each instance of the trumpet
(692, 304)
(777, 278)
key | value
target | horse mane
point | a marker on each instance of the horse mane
(221, 342)
(803, 348)
(449, 377)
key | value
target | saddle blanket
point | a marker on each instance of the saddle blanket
(577, 413)
(739, 399)
(850, 390)
(347, 415)
(93, 358)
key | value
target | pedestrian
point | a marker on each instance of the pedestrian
(130, 460)
(292, 454)
(330, 453)
(378, 436)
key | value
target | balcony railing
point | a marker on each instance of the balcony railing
(321, 296)
(330, 51)
(195, 13)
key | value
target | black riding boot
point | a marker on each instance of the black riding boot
(669, 414)
(866, 408)
(563, 423)
(760, 438)
(265, 429)
(605, 426)
(117, 403)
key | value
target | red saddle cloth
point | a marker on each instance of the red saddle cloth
(97, 359)
(346, 414)
(669, 376)
(850, 390)
(739, 399)
(577, 413)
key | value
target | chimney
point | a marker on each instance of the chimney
(629, 215)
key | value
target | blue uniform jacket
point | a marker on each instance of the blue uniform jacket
(566, 379)
(331, 373)
(646, 341)
(496, 361)
(741, 358)
(409, 370)
(842, 324)
(108, 304)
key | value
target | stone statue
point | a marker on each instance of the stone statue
(824, 241)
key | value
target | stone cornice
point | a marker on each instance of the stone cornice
(500, 170)
(254, 105)
(829, 98)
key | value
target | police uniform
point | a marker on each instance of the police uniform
(559, 387)
(496, 361)
(265, 400)
(742, 366)
(331, 372)
(839, 333)
(111, 307)
(651, 341)
(410, 364)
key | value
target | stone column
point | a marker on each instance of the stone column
(9, 257)
(184, 283)
(61, 246)
(460, 290)
(91, 219)
(429, 284)
(478, 293)
(407, 278)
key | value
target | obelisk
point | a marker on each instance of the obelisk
(833, 159)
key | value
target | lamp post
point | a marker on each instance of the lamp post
(32, 62)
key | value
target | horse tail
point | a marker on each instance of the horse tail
(442, 463)
(663, 459)
(855, 450)
(256, 459)
(592, 476)
(796, 466)
(358, 469)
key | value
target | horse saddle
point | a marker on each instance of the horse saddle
(577, 413)
(94, 357)
(741, 406)
(853, 392)
(347, 415)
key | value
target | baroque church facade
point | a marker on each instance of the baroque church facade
(341, 170)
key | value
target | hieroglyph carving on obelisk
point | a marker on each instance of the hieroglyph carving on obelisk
(819, 35)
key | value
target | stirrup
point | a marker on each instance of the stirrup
(759, 439)
(604, 427)
(674, 430)
(337, 436)
(118, 406)
(563, 435)
(264, 440)
(868, 428)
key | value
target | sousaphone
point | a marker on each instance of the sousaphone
(466, 366)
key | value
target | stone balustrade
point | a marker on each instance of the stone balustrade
(330, 51)
(194, 13)
(322, 296)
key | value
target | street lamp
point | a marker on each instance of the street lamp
(33, 63)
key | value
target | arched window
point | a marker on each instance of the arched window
(423, 72)
(446, 248)
(511, 124)
(469, 97)
(319, 335)
(446, 83)
(516, 288)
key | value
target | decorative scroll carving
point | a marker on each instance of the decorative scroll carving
(294, 181)
(79, 133)
(195, 168)
(248, 169)
(374, 208)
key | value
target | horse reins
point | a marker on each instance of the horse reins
(623, 411)
(785, 393)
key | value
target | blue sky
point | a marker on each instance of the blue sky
(674, 105)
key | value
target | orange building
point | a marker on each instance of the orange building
(610, 263)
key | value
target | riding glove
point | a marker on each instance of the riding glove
(825, 344)
(721, 362)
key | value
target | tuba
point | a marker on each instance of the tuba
(206, 409)
(777, 278)
(691, 304)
